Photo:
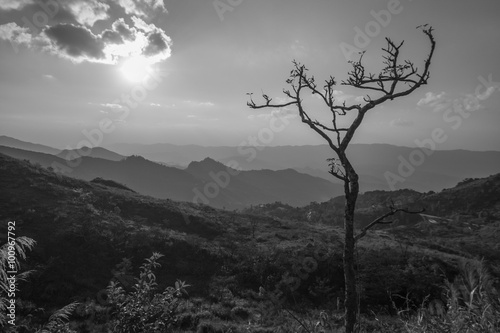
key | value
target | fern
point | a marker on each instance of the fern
(21, 245)
(57, 321)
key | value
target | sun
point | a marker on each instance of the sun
(136, 69)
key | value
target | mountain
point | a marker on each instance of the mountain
(262, 186)
(91, 233)
(201, 182)
(137, 173)
(15, 143)
(97, 152)
(84, 229)
(377, 164)
(470, 200)
(380, 166)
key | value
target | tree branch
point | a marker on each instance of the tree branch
(380, 220)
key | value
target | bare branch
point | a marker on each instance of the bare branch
(381, 219)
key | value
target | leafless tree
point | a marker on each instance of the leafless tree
(398, 78)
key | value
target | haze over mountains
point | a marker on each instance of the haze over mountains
(438, 169)
(208, 181)
(237, 177)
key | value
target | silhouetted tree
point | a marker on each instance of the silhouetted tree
(398, 78)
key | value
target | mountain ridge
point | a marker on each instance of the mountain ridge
(202, 186)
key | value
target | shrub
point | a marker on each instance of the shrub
(9, 261)
(472, 304)
(143, 309)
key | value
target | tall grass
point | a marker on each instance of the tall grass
(472, 304)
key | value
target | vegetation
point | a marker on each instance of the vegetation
(269, 269)
(145, 309)
(10, 252)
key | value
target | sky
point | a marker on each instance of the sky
(178, 71)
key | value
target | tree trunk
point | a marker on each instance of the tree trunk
(350, 302)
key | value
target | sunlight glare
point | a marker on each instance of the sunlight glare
(136, 69)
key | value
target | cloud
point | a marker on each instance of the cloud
(111, 106)
(156, 44)
(341, 97)
(78, 43)
(402, 123)
(199, 104)
(87, 12)
(14, 4)
(470, 102)
(283, 113)
(155, 104)
(430, 98)
(48, 77)
(143, 8)
(123, 29)
(22, 36)
(14, 33)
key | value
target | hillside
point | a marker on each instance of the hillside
(137, 173)
(84, 230)
(15, 143)
(469, 198)
(195, 184)
(96, 152)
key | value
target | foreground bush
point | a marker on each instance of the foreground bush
(143, 309)
(472, 305)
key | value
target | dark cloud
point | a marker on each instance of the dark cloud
(123, 29)
(156, 44)
(76, 41)
(111, 37)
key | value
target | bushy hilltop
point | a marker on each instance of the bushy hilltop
(86, 233)
(469, 199)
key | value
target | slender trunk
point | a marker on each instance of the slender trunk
(350, 302)
(351, 194)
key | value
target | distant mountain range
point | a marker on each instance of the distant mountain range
(97, 152)
(433, 170)
(15, 143)
(294, 175)
(209, 182)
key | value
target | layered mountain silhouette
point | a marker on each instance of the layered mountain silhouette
(97, 152)
(294, 175)
(420, 169)
(259, 186)
(208, 181)
(15, 143)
